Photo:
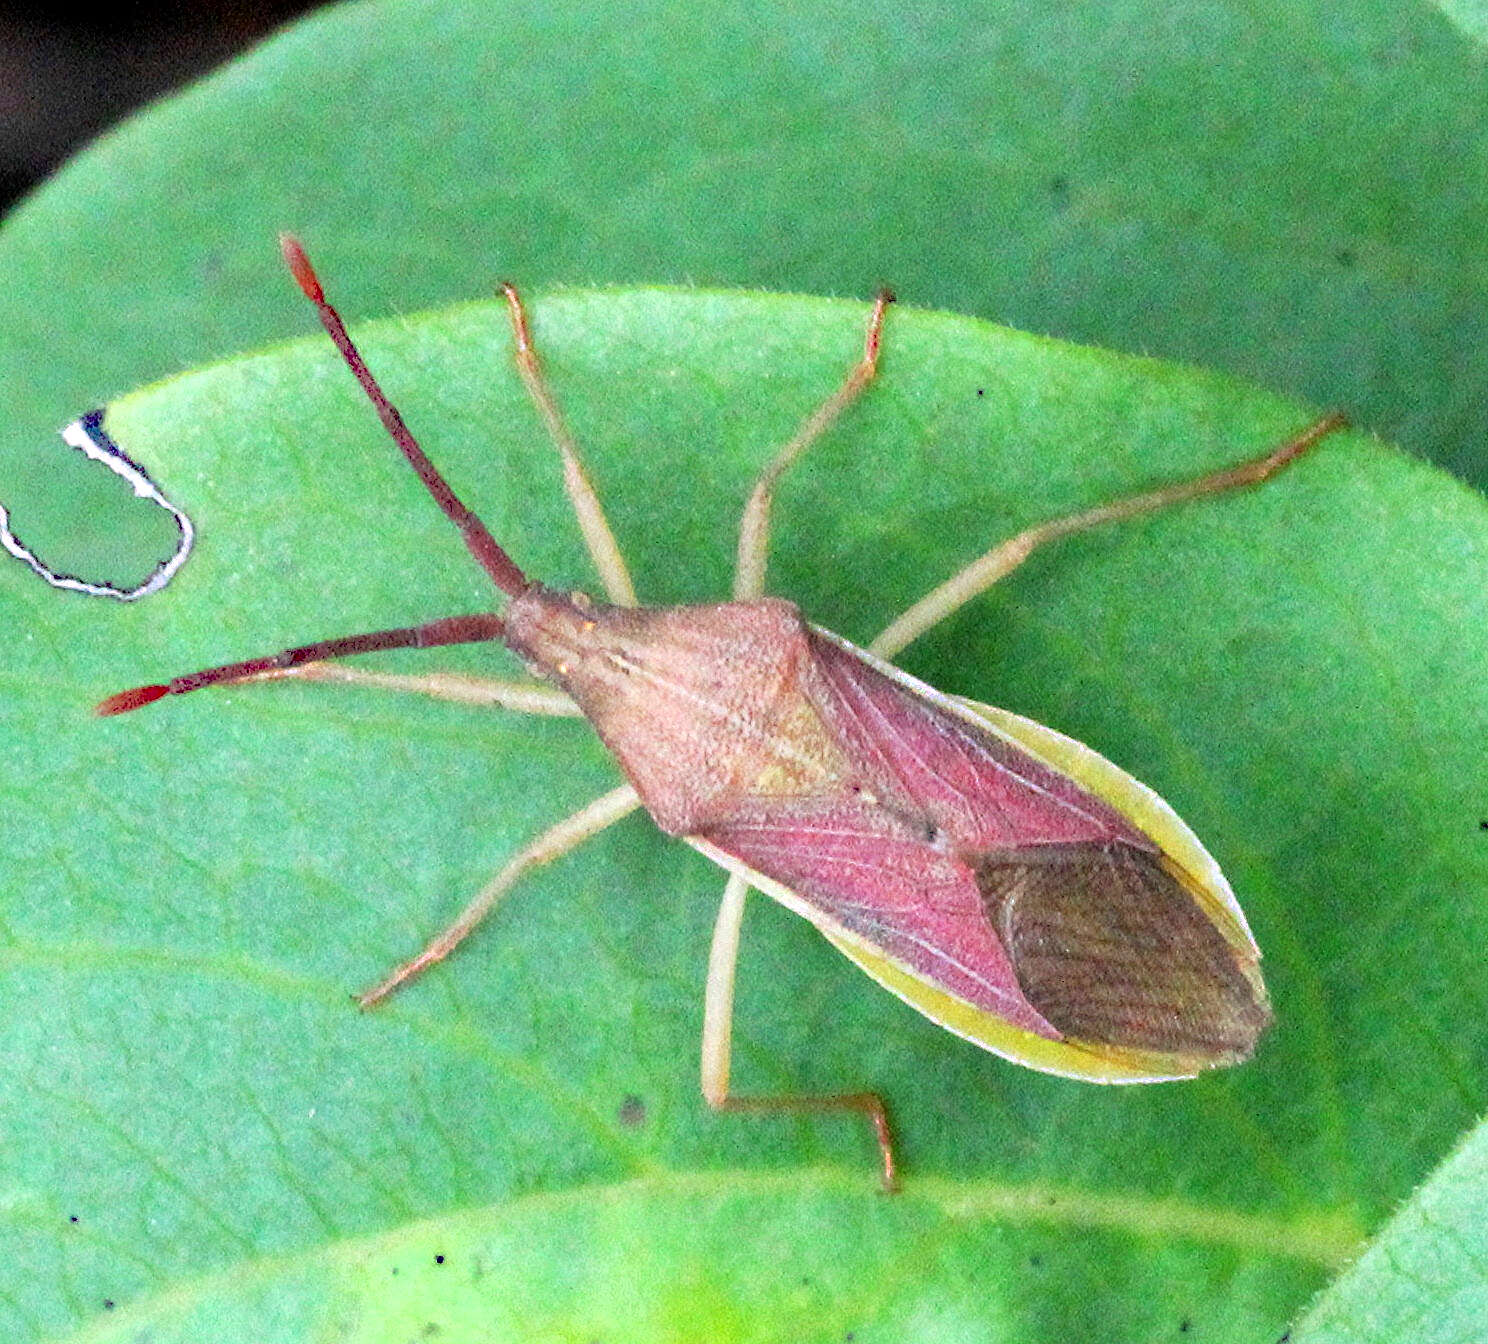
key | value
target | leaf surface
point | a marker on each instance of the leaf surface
(193, 891)
(1425, 1277)
(1290, 191)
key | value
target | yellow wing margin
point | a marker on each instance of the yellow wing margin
(1184, 856)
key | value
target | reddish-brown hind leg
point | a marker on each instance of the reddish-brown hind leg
(718, 1027)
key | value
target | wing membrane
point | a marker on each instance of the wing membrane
(1032, 907)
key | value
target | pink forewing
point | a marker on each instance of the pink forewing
(888, 855)
(899, 821)
(875, 875)
(983, 791)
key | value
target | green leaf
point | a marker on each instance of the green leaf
(1425, 1278)
(1471, 16)
(1292, 191)
(195, 889)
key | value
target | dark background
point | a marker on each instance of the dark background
(68, 72)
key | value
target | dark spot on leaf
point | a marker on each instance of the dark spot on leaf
(72, 1217)
(438, 1259)
(1036, 1261)
(981, 391)
(1345, 257)
(632, 1113)
(1483, 825)
(1059, 191)
(1184, 1327)
(1285, 1335)
(108, 1304)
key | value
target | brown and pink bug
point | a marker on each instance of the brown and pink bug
(1007, 882)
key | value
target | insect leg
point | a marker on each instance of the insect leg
(718, 1027)
(523, 697)
(1002, 559)
(553, 843)
(592, 523)
(754, 526)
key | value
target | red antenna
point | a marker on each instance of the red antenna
(483, 546)
(473, 629)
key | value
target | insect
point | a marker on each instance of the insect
(1007, 882)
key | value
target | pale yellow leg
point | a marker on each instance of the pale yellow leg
(1002, 559)
(525, 697)
(592, 522)
(749, 583)
(718, 1026)
(754, 526)
(553, 843)
(718, 998)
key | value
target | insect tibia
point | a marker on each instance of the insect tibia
(702, 706)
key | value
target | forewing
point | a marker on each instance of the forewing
(919, 751)
(1009, 883)
(864, 873)
(1110, 945)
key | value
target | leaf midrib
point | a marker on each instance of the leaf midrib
(1324, 1238)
